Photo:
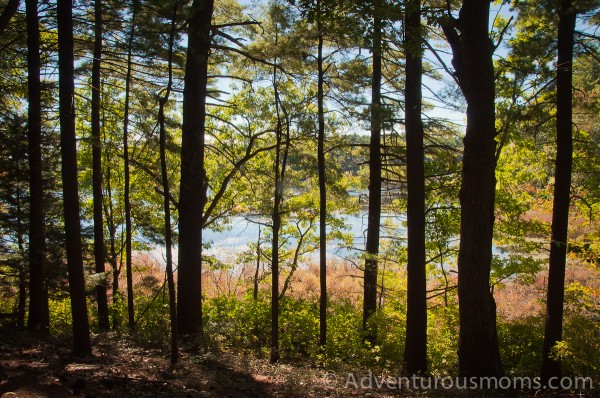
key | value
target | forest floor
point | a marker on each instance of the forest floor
(30, 368)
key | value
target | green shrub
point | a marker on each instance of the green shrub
(60, 317)
(442, 340)
(299, 327)
(521, 341)
(152, 325)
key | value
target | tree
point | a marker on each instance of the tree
(80, 323)
(39, 316)
(322, 183)
(126, 160)
(374, 218)
(9, 11)
(99, 252)
(551, 366)
(192, 196)
(279, 167)
(320, 13)
(472, 51)
(166, 192)
(415, 352)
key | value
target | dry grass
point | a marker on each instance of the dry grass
(516, 299)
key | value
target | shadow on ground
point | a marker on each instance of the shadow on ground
(34, 366)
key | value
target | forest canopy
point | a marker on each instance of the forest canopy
(415, 186)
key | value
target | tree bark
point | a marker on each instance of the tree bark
(166, 196)
(112, 231)
(126, 188)
(472, 60)
(257, 271)
(7, 14)
(99, 252)
(68, 145)
(39, 316)
(192, 197)
(276, 219)
(374, 218)
(551, 367)
(21, 303)
(322, 192)
(415, 352)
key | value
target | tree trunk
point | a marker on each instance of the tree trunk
(99, 254)
(21, 302)
(7, 14)
(551, 367)
(81, 331)
(39, 316)
(322, 195)
(374, 218)
(256, 273)
(166, 197)
(112, 230)
(472, 59)
(192, 197)
(276, 217)
(126, 189)
(415, 352)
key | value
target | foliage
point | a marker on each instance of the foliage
(250, 41)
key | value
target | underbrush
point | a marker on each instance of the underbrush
(243, 324)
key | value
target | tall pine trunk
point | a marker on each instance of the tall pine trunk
(322, 193)
(473, 49)
(192, 195)
(276, 219)
(39, 317)
(99, 253)
(374, 218)
(127, 187)
(415, 352)
(551, 366)
(167, 195)
(68, 144)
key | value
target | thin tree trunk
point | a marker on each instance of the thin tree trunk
(9, 11)
(166, 197)
(39, 316)
(294, 264)
(374, 218)
(99, 253)
(472, 59)
(126, 189)
(21, 303)
(192, 196)
(551, 366)
(256, 273)
(112, 230)
(322, 193)
(276, 217)
(415, 352)
(81, 331)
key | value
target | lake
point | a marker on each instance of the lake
(226, 245)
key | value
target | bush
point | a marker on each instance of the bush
(442, 340)
(521, 341)
(60, 317)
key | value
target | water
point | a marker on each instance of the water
(228, 244)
